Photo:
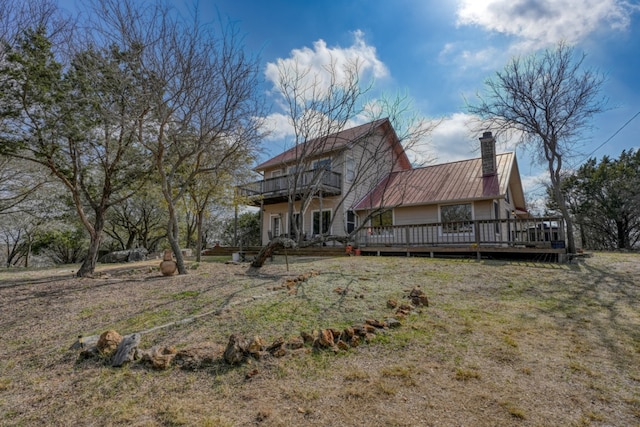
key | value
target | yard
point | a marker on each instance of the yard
(500, 344)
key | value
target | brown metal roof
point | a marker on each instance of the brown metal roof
(448, 182)
(334, 142)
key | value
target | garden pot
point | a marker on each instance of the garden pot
(168, 266)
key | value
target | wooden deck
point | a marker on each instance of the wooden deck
(497, 252)
(516, 238)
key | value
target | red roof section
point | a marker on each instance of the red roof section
(448, 182)
(319, 146)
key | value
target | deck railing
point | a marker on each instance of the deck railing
(281, 185)
(525, 232)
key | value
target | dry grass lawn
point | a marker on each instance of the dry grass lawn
(501, 344)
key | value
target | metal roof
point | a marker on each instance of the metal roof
(444, 183)
(337, 141)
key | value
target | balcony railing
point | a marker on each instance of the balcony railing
(523, 232)
(273, 190)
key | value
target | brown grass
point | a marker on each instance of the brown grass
(501, 344)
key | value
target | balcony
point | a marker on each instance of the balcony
(276, 190)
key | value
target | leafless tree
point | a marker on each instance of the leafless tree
(18, 16)
(548, 100)
(204, 93)
(320, 109)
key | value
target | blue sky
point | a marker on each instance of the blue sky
(439, 52)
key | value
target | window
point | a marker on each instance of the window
(351, 221)
(276, 173)
(322, 164)
(326, 221)
(496, 211)
(506, 196)
(384, 219)
(350, 173)
(294, 169)
(456, 218)
(275, 225)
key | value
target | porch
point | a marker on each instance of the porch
(542, 237)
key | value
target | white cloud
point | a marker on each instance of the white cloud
(452, 140)
(277, 127)
(311, 64)
(540, 23)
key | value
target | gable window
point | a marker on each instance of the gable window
(456, 218)
(323, 164)
(321, 226)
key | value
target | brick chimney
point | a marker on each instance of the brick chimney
(488, 150)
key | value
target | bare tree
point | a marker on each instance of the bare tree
(16, 17)
(204, 92)
(548, 100)
(321, 109)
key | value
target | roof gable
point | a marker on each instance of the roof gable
(447, 182)
(338, 141)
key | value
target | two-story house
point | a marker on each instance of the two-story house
(360, 183)
(312, 188)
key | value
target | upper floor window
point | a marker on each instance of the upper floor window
(276, 173)
(506, 196)
(294, 169)
(322, 164)
(350, 172)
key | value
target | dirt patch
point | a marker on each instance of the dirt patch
(501, 343)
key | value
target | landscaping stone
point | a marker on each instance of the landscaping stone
(199, 356)
(418, 297)
(160, 357)
(393, 323)
(234, 354)
(256, 347)
(126, 350)
(108, 342)
(295, 343)
(324, 340)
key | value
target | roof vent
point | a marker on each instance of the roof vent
(488, 150)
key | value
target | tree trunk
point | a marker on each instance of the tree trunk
(172, 235)
(89, 264)
(268, 250)
(568, 219)
(199, 234)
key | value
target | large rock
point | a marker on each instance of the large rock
(137, 254)
(198, 356)
(234, 354)
(160, 357)
(418, 297)
(126, 350)
(108, 342)
(256, 347)
(325, 339)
